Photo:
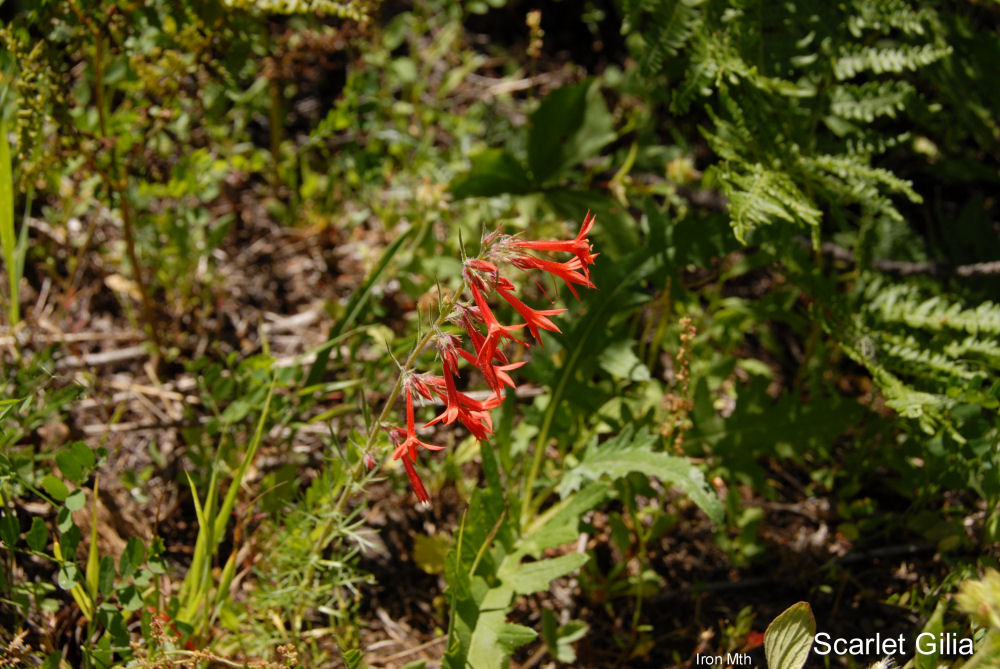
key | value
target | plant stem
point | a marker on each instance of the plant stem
(119, 185)
(357, 475)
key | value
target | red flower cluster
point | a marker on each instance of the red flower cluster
(487, 336)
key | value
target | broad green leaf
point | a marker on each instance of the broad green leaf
(620, 361)
(559, 640)
(493, 172)
(131, 557)
(623, 455)
(130, 598)
(484, 644)
(789, 637)
(530, 577)
(571, 124)
(38, 536)
(76, 500)
(64, 520)
(69, 466)
(55, 487)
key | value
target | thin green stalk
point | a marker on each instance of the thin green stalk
(357, 475)
(118, 185)
(528, 505)
(7, 237)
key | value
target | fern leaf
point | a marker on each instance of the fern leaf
(855, 60)
(870, 100)
(669, 27)
(885, 16)
(763, 196)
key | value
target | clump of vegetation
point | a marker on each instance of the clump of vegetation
(235, 237)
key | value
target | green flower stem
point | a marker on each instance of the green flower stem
(358, 474)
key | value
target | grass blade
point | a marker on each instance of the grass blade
(8, 240)
(354, 308)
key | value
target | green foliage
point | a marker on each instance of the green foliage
(627, 453)
(789, 637)
(355, 10)
(785, 92)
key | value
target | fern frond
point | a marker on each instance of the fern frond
(763, 196)
(867, 101)
(930, 410)
(702, 72)
(851, 179)
(669, 26)
(902, 304)
(867, 144)
(917, 360)
(355, 10)
(972, 346)
(885, 16)
(854, 60)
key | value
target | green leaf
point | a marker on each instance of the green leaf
(789, 637)
(353, 658)
(493, 172)
(64, 520)
(560, 523)
(513, 636)
(571, 124)
(70, 466)
(76, 500)
(130, 598)
(620, 361)
(935, 627)
(415, 664)
(559, 640)
(531, 577)
(623, 455)
(38, 536)
(106, 575)
(83, 454)
(69, 574)
(131, 557)
(10, 529)
(8, 239)
(56, 488)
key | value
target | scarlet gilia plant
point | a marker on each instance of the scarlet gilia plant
(485, 335)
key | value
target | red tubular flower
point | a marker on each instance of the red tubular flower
(409, 445)
(473, 414)
(482, 275)
(494, 330)
(466, 317)
(580, 247)
(416, 483)
(567, 271)
(535, 318)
